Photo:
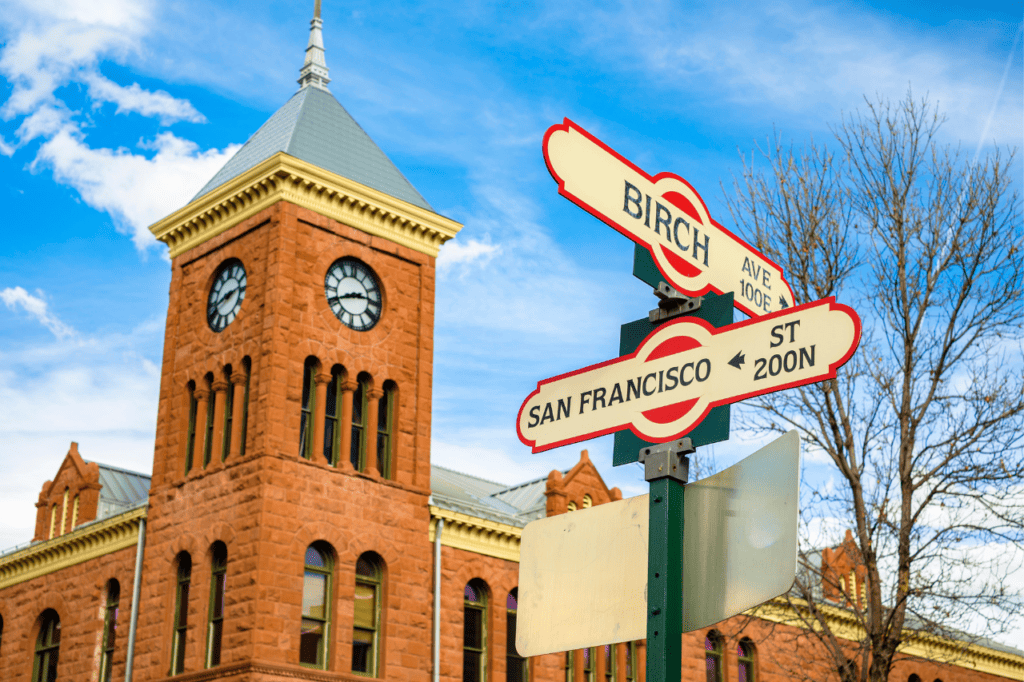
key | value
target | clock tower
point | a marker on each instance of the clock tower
(292, 459)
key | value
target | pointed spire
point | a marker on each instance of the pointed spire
(314, 69)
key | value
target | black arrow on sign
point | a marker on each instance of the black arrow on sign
(783, 302)
(738, 360)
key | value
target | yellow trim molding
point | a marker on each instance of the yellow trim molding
(476, 535)
(285, 178)
(918, 644)
(76, 547)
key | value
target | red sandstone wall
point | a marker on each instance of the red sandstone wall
(78, 594)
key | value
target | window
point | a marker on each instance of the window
(608, 652)
(109, 631)
(366, 623)
(247, 367)
(53, 519)
(569, 665)
(385, 429)
(713, 656)
(181, 613)
(190, 443)
(589, 664)
(332, 415)
(588, 501)
(210, 405)
(308, 408)
(64, 513)
(47, 648)
(745, 660)
(316, 612)
(474, 637)
(630, 661)
(74, 513)
(229, 418)
(1, 634)
(359, 398)
(215, 617)
(516, 668)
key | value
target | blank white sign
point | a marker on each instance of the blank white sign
(583, 575)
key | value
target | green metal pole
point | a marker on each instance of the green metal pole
(665, 581)
(666, 469)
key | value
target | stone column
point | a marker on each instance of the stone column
(372, 405)
(220, 393)
(199, 440)
(348, 388)
(238, 380)
(321, 379)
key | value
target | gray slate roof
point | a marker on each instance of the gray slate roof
(512, 505)
(122, 490)
(314, 127)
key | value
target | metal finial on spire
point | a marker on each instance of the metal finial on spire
(314, 69)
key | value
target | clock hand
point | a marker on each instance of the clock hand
(351, 294)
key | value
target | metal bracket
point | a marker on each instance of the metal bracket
(668, 460)
(672, 303)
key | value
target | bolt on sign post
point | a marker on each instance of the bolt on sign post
(670, 390)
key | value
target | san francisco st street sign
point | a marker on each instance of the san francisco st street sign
(684, 368)
(666, 216)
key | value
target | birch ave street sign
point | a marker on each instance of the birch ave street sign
(666, 216)
(684, 368)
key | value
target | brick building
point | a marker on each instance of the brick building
(293, 526)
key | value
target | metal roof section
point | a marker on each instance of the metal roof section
(512, 505)
(121, 490)
(314, 127)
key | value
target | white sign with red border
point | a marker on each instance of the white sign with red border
(666, 216)
(684, 368)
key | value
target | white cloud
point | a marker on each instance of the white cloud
(157, 104)
(468, 252)
(135, 190)
(36, 306)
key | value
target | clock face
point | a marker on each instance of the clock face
(226, 295)
(353, 292)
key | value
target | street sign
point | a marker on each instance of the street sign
(714, 428)
(583, 575)
(666, 216)
(684, 368)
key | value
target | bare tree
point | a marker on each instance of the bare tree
(923, 428)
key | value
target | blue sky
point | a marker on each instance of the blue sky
(113, 113)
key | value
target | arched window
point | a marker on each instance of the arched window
(64, 513)
(184, 582)
(190, 443)
(745, 661)
(316, 611)
(229, 418)
(589, 664)
(215, 613)
(366, 621)
(47, 648)
(608, 652)
(74, 513)
(332, 416)
(588, 501)
(109, 630)
(53, 519)
(385, 429)
(359, 411)
(516, 668)
(630, 661)
(474, 637)
(308, 408)
(914, 678)
(569, 665)
(247, 368)
(211, 404)
(713, 656)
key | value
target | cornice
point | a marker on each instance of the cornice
(477, 535)
(76, 547)
(285, 178)
(915, 643)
